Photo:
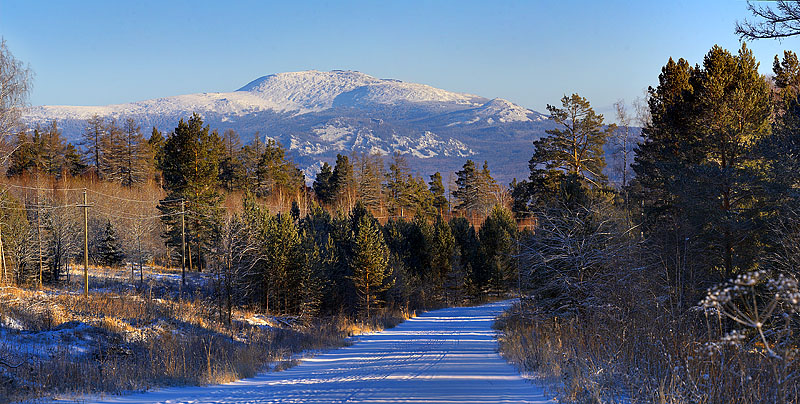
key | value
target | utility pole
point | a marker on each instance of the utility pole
(183, 243)
(85, 207)
(39, 235)
(141, 266)
(3, 255)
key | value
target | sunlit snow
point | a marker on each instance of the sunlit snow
(443, 356)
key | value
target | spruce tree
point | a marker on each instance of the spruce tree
(283, 259)
(442, 252)
(475, 189)
(156, 145)
(497, 236)
(467, 192)
(323, 185)
(75, 165)
(109, 247)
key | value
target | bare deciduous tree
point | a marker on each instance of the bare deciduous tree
(780, 19)
(15, 86)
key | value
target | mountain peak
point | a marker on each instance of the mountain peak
(309, 90)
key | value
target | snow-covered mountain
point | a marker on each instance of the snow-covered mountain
(319, 114)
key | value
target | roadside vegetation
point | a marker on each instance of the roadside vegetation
(679, 286)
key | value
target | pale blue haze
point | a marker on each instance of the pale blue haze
(530, 52)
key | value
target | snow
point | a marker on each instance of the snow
(230, 104)
(443, 356)
(429, 145)
(73, 337)
(315, 91)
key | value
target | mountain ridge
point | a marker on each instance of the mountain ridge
(317, 114)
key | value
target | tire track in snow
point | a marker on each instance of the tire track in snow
(446, 356)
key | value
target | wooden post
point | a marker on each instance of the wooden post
(3, 255)
(85, 207)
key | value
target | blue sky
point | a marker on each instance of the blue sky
(530, 52)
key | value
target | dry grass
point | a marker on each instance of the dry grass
(113, 342)
(640, 358)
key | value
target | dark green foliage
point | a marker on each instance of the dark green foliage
(498, 237)
(399, 187)
(109, 247)
(699, 167)
(191, 174)
(74, 164)
(343, 182)
(369, 262)
(324, 186)
(275, 174)
(567, 165)
(26, 156)
(442, 253)
(437, 190)
(475, 189)
(576, 146)
(469, 250)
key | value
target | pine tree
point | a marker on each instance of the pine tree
(437, 189)
(576, 146)
(250, 155)
(109, 248)
(275, 175)
(283, 260)
(191, 174)
(699, 170)
(369, 263)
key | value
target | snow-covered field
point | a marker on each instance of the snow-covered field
(442, 356)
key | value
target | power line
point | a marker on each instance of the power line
(42, 188)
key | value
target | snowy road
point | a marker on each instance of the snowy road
(443, 356)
